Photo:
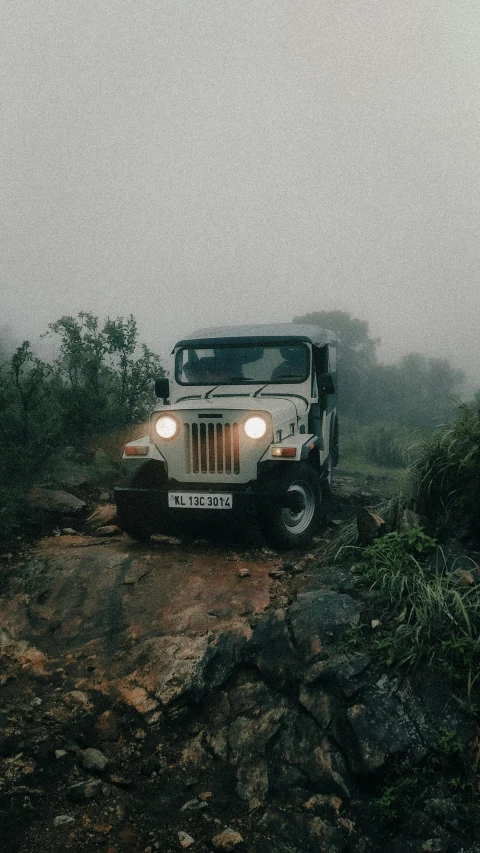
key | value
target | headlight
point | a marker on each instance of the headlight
(255, 427)
(166, 426)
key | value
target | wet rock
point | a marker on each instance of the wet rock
(408, 520)
(343, 674)
(271, 649)
(377, 729)
(252, 783)
(175, 664)
(63, 820)
(321, 705)
(55, 501)
(301, 746)
(161, 539)
(108, 530)
(229, 839)
(85, 790)
(320, 618)
(370, 525)
(222, 655)
(120, 781)
(107, 726)
(93, 759)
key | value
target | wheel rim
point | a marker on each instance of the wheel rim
(298, 522)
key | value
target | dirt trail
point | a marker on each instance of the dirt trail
(99, 641)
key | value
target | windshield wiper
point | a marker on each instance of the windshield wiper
(207, 394)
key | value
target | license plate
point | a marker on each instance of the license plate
(199, 500)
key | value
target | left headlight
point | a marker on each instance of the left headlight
(255, 427)
(167, 427)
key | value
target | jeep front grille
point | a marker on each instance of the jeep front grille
(212, 448)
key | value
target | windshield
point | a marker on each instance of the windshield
(234, 365)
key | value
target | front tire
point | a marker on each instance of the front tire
(292, 527)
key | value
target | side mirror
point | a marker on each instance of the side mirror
(325, 383)
(162, 388)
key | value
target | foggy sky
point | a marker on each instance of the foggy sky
(196, 162)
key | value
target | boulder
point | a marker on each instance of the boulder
(321, 618)
(370, 525)
(55, 501)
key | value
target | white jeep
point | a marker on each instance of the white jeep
(247, 419)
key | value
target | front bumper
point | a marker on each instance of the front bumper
(149, 507)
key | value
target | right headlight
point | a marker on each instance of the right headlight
(255, 427)
(167, 426)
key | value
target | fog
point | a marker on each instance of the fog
(196, 163)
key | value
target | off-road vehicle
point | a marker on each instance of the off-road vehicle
(246, 419)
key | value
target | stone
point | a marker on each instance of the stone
(343, 674)
(227, 840)
(271, 649)
(301, 747)
(55, 501)
(370, 525)
(408, 520)
(252, 783)
(68, 531)
(321, 705)
(179, 663)
(106, 726)
(108, 530)
(120, 781)
(59, 753)
(185, 839)
(377, 729)
(321, 617)
(161, 539)
(63, 820)
(85, 790)
(93, 759)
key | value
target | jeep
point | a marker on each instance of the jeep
(247, 420)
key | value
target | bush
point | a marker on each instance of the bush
(381, 443)
(446, 477)
(436, 614)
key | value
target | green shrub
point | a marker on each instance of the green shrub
(380, 443)
(435, 615)
(446, 477)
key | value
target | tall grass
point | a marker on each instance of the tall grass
(446, 477)
(432, 608)
(380, 443)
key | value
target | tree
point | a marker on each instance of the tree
(103, 382)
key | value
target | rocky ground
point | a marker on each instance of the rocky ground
(206, 693)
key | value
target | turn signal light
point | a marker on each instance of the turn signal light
(136, 450)
(290, 452)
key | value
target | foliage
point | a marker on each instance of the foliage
(381, 443)
(100, 383)
(433, 614)
(446, 477)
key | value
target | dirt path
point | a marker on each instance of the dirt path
(100, 641)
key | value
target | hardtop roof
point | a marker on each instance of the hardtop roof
(256, 334)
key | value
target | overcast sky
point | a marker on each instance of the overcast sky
(196, 162)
